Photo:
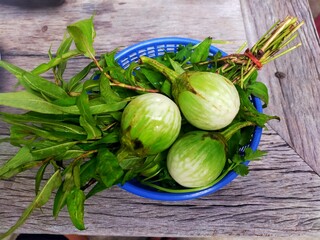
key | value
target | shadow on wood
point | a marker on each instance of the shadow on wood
(32, 3)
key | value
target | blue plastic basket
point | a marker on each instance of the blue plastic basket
(157, 47)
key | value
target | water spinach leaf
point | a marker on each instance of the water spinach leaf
(41, 199)
(83, 35)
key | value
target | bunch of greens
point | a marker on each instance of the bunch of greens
(71, 128)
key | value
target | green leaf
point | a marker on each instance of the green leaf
(108, 167)
(39, 177)
(110, 60)
(154, 77)
(107, 94)
(246, 136)
(62, 50)
(87, 171)
(49, 151)
(102, 108)
(86, 119)
(76, 174)
(184, 52)
(18, 136)
(73, 82)
(65, 102)
(254, 155)
(237, 159)
(158, 159)
(59, 61)
(108, 119)
(98, 187)
(64, 190)
(112, 137)
(34, 82)
(18, 163)
(142, 81)
(166, 88)
(75, 204)
(131, 162)
(41, 199)
(260, 90)
(90, 85)
(233, 144)
(130, 73)
(201, 51)
(34, 130)
(55, 117)
(116, 72)
(28, 101)
(70, 154)
(83, 35)
(241, 169)
(60, 200)
(129, 175)
(249, 112)
(55, 124)
(176, 66)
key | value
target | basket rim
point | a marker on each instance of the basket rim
(162, 41)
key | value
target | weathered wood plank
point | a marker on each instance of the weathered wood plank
(119, 23)
(279, 197)
(295, 97)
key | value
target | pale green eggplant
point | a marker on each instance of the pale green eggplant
(150, 124)
(197, 158)
(207, 100)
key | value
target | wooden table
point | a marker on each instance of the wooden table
(280, 196)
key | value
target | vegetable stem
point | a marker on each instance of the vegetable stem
(188, 190)
(234, 128)
(118, 84)
(169, 73)
(239, 67)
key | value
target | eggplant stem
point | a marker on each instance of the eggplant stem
(169, 73)
(228, 133)
(188, 190)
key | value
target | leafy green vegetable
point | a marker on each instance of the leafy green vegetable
(87, 121)
(249, 112)
(74, 81)
(75, 204)
(64, 190)
(83, 35)
(21, 161)
(36, 83)
(260, 90)
(51, 150)
(201, 51)
(41, 199)
(39, 176)
(108, 168)
(241, 169)
(59, 60)
(107, 94)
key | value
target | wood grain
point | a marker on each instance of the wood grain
(279, 197)
(295, 98)
(120, 23)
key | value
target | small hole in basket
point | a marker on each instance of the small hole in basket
(125, 63)
(142, 52)
(170, 47)
(133, 56)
